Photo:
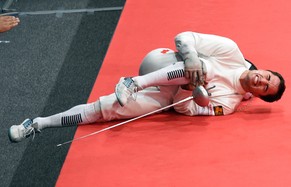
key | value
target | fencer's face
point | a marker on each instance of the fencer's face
(262, 82)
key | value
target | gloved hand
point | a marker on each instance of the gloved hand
(196, 72)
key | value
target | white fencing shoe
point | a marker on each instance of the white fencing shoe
(18, 133)
(125, 90)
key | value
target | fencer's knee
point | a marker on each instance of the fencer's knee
(93, 113)
(157, 59)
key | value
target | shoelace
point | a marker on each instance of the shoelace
(133, 94)
(132, 88)
(29, 131)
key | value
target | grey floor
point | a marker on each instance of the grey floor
(49, 64)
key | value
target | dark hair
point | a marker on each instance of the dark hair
(281, 89)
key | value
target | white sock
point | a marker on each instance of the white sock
(81, 114)
(170, 75)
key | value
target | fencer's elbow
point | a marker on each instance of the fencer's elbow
(185, 43)
(184, 37)
(229, 45)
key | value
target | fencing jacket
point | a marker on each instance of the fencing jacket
(225, 64)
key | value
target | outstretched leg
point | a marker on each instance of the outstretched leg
(105, 109)
(81, 114)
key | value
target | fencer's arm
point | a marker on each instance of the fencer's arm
(190, 108)
(193, 66)
(227, 104)
(186, 46)
(191, 45)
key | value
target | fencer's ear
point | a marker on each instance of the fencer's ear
(247, 96)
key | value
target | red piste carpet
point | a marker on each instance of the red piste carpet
(249, 148)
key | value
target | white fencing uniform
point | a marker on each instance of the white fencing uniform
(224, 63)
(149, 99)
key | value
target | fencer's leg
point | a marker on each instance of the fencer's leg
(129, 120)
(161, 66)
(147, 100)
(108, 108)
(158, 59)
(80, 114)
(169, 75)
(173, 74)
